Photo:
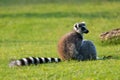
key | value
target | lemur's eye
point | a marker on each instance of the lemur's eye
(83, 28)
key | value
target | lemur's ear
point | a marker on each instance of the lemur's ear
(76, 26)
(83, 22)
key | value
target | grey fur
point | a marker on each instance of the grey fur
(88, 50)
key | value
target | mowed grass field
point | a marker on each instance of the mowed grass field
(33, 28)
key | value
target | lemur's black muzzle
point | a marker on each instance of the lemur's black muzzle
(86, 31)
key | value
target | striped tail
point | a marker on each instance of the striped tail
(32, 60)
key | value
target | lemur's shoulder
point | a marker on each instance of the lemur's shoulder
(71, 36)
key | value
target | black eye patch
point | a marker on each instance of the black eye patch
(81, 25)
(83, 28)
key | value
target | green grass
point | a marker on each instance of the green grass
(33, 28)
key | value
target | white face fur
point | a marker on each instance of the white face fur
(80, 28)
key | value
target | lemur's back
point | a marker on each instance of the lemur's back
(69, 45)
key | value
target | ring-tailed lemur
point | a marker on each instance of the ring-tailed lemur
(70, 46)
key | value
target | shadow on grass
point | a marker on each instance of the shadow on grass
(32, 42)
(113, 57)
(25, 2)
(61, 15)
(23, 41)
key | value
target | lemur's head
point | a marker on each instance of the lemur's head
(80, 28)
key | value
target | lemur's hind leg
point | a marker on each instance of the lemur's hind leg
(88, 50)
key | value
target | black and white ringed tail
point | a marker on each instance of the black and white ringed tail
(32, 60)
